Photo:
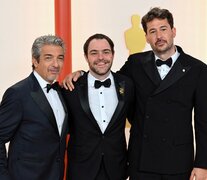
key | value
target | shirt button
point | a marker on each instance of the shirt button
(164, 139)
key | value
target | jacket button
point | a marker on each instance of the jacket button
(164, 139)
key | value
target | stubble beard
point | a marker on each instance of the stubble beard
(164, 50)
(101, 72)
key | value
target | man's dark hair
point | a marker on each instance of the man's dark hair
(159, 14)
(97, 36)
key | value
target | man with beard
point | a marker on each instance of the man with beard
(169, 85)
(98, 109)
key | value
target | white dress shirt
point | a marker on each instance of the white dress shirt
(164, 69)
(54, 101)
(102, 101)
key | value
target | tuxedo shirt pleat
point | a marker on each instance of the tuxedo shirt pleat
(102, 101)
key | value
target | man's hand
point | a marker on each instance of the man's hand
(68, 80)
(198, 174)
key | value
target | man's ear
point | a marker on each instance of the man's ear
(174, 31)
(34, 62)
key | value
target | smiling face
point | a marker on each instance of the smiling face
(50, 62)
(160, 36)
(99, 58)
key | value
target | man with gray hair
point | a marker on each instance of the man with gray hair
(33, 118)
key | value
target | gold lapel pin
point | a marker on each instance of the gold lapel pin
(121, 91)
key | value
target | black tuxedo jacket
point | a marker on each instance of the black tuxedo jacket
(87, 145)
(161, 138)
(36, 150)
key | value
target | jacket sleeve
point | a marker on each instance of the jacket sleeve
(200, 120)
(10, 117)
(131, 109)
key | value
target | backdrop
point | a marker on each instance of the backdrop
(24, 20)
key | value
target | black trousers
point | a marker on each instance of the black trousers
(155, 176)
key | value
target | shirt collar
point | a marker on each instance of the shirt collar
(91, 79)
(41, 81)
(174, 56)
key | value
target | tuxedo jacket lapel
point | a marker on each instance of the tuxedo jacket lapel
(65, 122)
(83, 96)
(120, 89)
(41, 100)
(178, 71)
(151, 69)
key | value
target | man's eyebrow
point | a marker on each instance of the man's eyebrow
(47, 54)
(93, 50)
(99, 50)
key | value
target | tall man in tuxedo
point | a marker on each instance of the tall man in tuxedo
(98, 107)
(169, 84)
(33, 118)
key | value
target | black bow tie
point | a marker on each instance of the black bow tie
(106, 83)
(54, 86)
(167, 62)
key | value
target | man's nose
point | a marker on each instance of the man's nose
(100, 55)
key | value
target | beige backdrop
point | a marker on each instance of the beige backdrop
(23, 20)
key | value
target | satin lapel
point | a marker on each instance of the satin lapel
(83, 96)
(65, 122)
(151, 69)
(41, 100)
(120, 89)
(177, 71)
